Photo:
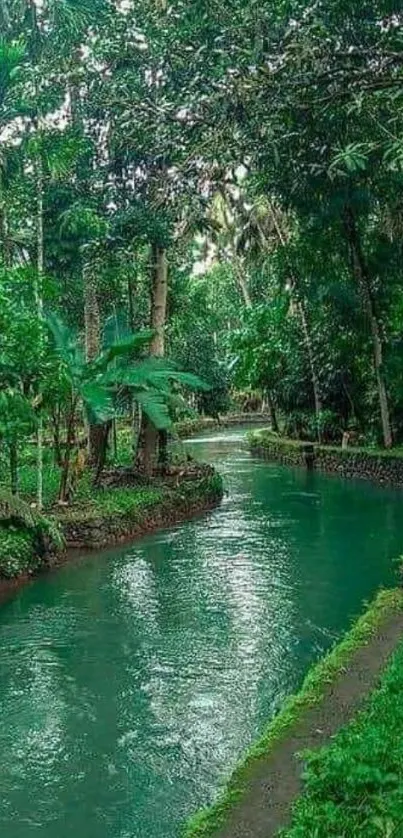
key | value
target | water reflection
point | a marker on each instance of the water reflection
(131, 683)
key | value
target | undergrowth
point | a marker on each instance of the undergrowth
(207, 823)
(354, 786)
(17, 552)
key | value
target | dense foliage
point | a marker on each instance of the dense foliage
(228, 178)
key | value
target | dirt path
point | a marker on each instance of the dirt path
(276, 781)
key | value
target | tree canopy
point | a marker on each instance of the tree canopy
(228, 177)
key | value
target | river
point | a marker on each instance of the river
(132, 681)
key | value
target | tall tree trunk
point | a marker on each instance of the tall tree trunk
(312, 364)
(92, 346)
(300, 307)
(4, 234)
(272, 412)
(14, 467)
(70, 438)
(242, 282)
(361, 274)
(56, 420)
(13, 445)
(147, 449)
(131, 290)
(39, 306)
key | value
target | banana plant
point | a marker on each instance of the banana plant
(119, 371)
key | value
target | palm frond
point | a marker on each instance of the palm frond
(66, 344)
(156, 409)
(98, 402)
(123, 347)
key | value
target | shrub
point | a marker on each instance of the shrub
(17, 551)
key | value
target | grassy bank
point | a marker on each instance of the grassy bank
(209, 822)
(265, 438)
(96, 517)
(384, 467)
(114, 515)
(354, 786)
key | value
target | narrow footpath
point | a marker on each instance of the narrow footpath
(275, 783)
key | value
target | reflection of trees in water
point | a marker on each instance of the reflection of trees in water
(211, 617)
(150, 670)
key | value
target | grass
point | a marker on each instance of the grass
(262, 438)
(208, 822)
(113, 503)
(137, 504)
(354, 786)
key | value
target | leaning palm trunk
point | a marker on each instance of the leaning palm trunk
(148, 438)
(13, 454)
(361, 274)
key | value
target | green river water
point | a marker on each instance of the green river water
(132, 681)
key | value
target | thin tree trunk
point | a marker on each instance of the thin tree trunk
(272, 412)
(67, 455)
(361, 273)
(4, 233)
(57, 455)
(242, 283)
(14, 467)
(13, 445)
(114, 439)
(148, 440)
(312, 365)
(92, 346)
(130, 295)
(299, 305)
(39, 306)
(106, 428)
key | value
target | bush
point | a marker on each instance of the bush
(302, 424)
(17, 551)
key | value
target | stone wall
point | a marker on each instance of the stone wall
(178, 503)
(379, 466)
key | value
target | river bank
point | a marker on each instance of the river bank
(262, 791)
(383, 467)
(106, 517)
(201, 424)
(162, 660)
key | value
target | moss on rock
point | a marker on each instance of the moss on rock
(380, 466)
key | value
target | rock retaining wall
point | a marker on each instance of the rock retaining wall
(381, 467)
(177, 504)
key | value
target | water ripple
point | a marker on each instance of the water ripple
(131, 684)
